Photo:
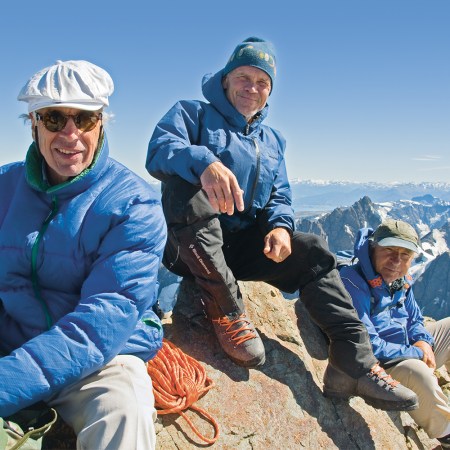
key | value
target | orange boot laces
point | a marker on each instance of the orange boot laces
(378, 372)
(234, 330)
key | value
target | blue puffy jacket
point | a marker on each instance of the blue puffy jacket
(394, 322)
(194, 134)
(78, 275)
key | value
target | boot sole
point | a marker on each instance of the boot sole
(255, 362)
(406, 405)
(337, 394)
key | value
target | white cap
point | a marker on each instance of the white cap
(71, 84)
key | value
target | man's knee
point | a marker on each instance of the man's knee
(185, 203)
(315, 251)
(414, 374)
(441, 333)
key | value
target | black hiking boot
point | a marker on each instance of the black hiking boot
(444, 441)
(376, 387)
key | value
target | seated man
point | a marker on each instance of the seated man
(81, 240)
(383, 296)
(227, 203)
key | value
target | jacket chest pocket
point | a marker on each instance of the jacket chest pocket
(217, 140)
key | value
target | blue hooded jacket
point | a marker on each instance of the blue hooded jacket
(394, 322)
(78, 275)
(194, 134)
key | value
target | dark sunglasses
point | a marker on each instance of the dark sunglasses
(56, 121)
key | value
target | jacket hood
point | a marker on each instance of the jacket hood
(80, 183)
(213, 92)
(361, 251)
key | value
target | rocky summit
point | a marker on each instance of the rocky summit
(279, 405)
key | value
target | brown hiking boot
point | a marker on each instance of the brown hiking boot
(240, 340)
(376, 387)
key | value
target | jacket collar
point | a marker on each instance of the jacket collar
(362, 252)
(35, 175)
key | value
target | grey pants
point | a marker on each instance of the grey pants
(198, 247)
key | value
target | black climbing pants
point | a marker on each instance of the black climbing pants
(198, 247)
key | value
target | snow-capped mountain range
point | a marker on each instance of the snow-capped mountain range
(317, 195)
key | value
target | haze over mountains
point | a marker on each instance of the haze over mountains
(327, 195)
(426, 206)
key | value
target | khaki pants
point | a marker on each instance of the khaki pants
(433, 414)
(112, 409)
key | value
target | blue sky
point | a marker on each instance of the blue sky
(362, 90)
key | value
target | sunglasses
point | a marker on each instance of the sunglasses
(55, 121)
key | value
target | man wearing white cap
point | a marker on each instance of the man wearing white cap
(78, 268)
(381, 291)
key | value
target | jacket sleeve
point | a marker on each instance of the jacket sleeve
(416, 329)
(278, 211)
(116, 296)
(383, 350)
(172, 149)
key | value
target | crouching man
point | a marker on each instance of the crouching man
(383, 296)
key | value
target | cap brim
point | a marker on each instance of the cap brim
(395, 242)
(85, 106)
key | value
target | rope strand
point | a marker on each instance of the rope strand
(178, 382)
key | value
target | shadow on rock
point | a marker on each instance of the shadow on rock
(287, 368)
(279, 403)
(317, 347)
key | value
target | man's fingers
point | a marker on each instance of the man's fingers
(220, 199)
(222, 188)
(277, 245)
(212, 199)
(274, 258)
(273, 251)
(229, 203)
(238, 197)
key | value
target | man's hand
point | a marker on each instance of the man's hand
(277, 244)
(428, 355)
(222, 188)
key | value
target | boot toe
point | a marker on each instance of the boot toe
(240, 341)
(386, 396)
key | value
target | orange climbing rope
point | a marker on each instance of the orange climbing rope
(178, 382)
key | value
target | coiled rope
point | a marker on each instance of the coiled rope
(178, 382)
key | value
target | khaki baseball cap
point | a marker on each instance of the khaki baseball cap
(396, 233)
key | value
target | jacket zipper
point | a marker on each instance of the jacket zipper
(255, 182)
(34, 255)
